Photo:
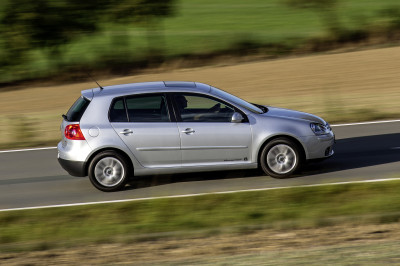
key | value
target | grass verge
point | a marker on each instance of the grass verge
(310, 207)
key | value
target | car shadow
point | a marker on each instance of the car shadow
(359, 152)
(158, 180)
(350, 153)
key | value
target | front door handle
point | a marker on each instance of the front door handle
(188, 131)
(126, 132)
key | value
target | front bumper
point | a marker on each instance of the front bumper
(74, 168)
(319, 147)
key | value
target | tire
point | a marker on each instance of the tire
(280, 158)
(109, 171)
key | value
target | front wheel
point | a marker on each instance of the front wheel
(109, 171)
(280, 158)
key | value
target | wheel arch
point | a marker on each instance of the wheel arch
(116, 150)
(291, 138)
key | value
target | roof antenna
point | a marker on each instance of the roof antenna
(90, 76)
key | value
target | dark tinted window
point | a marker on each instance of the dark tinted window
(118, 112)
(147, 108)
(77, 109)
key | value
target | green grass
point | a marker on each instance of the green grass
(203, 27)
(152, 219)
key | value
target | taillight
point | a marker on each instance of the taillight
(73, 132)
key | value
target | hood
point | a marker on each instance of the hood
(287, 113)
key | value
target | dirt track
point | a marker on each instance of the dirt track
(361, 78)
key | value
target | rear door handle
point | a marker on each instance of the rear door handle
(188, 131)
(126, 132)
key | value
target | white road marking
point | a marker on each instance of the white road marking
(337, 125)
(198, 194)
(33, 149)
(366, 123)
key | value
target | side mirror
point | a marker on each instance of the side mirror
(237, 118)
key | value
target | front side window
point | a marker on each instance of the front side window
(197, 108)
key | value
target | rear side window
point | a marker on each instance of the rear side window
(76, 111)
(147, 108)
(140, 108)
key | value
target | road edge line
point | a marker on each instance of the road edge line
(366, 123)
(198, 194)
(31, 149)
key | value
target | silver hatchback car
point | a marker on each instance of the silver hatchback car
(117, 132)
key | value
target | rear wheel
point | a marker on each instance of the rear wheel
(109, 171)
(280, 158)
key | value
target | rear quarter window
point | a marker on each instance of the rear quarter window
(76, 111)
(117, 111)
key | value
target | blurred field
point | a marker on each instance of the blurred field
(342, 87)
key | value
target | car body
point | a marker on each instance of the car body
(118, 132)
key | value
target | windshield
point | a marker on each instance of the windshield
(236, 100)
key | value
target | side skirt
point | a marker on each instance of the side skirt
(194, 168)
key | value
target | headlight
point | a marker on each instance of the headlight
(320, 129)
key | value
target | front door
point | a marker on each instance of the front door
(207, 134)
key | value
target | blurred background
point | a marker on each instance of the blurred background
(48, 47)
(338, 59)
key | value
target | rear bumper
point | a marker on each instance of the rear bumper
(72, 156)
(74, 168)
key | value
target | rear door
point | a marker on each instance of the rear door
(145, 125)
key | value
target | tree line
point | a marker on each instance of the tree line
(51, 24)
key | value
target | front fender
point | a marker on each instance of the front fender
(267, 128)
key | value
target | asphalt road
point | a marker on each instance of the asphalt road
(362, 152)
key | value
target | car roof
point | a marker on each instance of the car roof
(147, 87)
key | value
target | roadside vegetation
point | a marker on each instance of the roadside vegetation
(237, 213)
(64, 39)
